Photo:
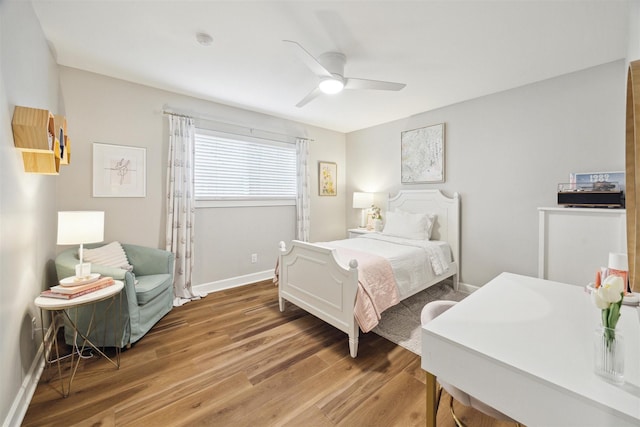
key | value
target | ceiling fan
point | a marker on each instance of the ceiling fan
(329, 67)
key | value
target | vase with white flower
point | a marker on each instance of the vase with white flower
(609, 343)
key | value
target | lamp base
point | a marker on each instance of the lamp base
(83, 270)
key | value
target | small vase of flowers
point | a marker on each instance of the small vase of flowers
(609, 343)
(376, 218)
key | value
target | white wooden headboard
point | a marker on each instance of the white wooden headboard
(446, 209)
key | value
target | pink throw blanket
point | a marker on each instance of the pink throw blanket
(377, 287)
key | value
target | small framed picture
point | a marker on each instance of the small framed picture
(327, 179)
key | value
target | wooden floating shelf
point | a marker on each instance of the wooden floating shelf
(42, 163)
(42, 138)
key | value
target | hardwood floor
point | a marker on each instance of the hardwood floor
(232, 359)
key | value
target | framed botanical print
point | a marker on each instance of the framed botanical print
(327, 179)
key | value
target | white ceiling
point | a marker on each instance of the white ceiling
(445, 51)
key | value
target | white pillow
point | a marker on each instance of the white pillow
(111, 255)
(409, 225)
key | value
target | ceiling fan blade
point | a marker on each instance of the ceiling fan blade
(310, 97)
(371, 84)
(308, 59)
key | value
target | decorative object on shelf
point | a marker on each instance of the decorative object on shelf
(598, 177)
(362, 201)
(593, 190)
(119, 171)
(422, 154)
(42, 138)
(60, 123)
(327, 179)
(608, 343)
(80, 227)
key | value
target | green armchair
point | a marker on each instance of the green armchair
(147, 295)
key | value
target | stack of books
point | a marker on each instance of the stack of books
(70, 292)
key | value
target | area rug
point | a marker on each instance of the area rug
(401, 323)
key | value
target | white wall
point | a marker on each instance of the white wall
(102, 109)
(28, 77)
(633, 48)
(505, 155)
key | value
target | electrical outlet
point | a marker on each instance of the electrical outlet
(254, 258)
(33, 328)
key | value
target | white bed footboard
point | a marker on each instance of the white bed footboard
(312, 278)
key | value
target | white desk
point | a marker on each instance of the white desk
(525, 346)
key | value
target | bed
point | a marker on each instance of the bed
(321, 279)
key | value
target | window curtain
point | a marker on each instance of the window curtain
(632, 163)
(302, 193)
(181, 206)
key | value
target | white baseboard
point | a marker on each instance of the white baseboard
(467, 288)
(27, 389)
(234, 282)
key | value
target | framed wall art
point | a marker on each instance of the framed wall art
(327, 179)
(422, 155)
(119, 171)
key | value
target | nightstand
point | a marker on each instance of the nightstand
(65, 309)
(355, 232)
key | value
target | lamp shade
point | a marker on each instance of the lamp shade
(76, 227)
(362, 200)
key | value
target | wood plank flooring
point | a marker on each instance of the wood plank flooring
(232, 359)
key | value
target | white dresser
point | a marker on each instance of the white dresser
(575, 242)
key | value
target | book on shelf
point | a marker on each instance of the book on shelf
(70, 292)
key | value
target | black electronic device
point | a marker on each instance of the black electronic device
(591, 195)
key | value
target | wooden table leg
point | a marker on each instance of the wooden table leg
(431, 400)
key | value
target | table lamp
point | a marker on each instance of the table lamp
(362, 201)
(80, 227)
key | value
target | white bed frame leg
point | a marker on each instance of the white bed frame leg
(456, 285)
(281, 304)
(353, 340)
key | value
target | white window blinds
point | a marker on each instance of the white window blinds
(243, 169)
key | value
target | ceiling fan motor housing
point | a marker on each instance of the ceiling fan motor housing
(333, 62)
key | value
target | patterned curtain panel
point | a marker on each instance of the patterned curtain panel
(632, 179)
(181, 206)
(302, 196)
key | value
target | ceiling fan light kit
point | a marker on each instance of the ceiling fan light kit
(329, 67)
(331, 86)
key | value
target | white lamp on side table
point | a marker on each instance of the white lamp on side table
(362, 201)
(80, 227)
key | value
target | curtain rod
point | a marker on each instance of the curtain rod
(168, 112)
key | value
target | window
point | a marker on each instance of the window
(238, 170)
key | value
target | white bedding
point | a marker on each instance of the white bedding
(411, 260)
